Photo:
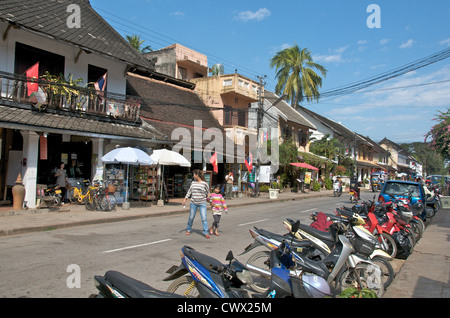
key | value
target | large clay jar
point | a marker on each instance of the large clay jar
(18, 192)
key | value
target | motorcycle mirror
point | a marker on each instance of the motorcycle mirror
(295, 226)
(230, 256)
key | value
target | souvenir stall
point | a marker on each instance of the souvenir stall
(164, 157)
(117, 169)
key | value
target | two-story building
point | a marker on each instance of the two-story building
(59, 119)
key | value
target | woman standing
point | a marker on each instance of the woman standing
(198, 192)
(61, 180)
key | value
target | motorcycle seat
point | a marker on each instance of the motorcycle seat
(135, 288)
(278, 237)
(322, 235)
(206, 261)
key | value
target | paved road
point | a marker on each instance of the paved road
(41, 264)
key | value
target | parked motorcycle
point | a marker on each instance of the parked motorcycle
(200, 275)
(118, 285)
(342, 266)
(53, 195)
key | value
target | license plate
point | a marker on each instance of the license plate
(58, 191)
(351, 193)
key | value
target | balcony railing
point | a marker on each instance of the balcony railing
(65, 97)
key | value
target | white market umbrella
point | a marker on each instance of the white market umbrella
(169, 158)
(164, 157)
(128, 156)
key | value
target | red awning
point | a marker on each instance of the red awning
(303, 165)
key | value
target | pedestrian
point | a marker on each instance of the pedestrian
(61, 180)
(217, 205)
(229, 185)
(198, 193)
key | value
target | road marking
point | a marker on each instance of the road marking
(253, 222)
(134, 246)
(308, 210)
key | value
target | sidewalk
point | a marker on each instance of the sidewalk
(36, 220)
(425, 274)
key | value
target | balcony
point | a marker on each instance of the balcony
(63, 97)
(239, 85)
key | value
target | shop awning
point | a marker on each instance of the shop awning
(303, 165)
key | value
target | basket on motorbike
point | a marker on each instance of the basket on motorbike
(111, 188)
(362, 246)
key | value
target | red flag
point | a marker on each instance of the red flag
(213, 161)
(32, 72)
(249, 163)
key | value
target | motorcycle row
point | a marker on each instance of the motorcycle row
(351, 248)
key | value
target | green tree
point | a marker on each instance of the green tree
(440, 134)
(295, 75)
(432, 160)
(136, 42)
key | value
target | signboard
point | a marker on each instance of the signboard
(264, 174)
(308, 177)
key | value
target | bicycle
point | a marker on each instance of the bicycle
(106, 199)
(88, 198)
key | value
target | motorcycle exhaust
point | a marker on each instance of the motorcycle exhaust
(257, 270)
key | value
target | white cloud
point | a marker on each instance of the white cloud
(446, 41)
(257, 15)
(335, 56)
(177, 13)
(384, 41)
(407, 44)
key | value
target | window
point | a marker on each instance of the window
(26, 56)
(227, 114)
(227, 82)
(95, 73)
(241, 118)
(182, 73)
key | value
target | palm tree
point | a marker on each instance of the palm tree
(296, 77)
(136, 42)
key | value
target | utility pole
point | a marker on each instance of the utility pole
(259, 118)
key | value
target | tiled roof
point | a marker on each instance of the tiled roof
(291, 114)
(167, 106)
(22, 118)
(49, 17)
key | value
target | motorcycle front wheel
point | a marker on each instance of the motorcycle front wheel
(360, 277)
(260, 283)
(387, 271)
(388, 244)
(186, 286)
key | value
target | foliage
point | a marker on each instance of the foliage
(136, 42)
(288, 152)
(327, 147)
(328, 184)
(440, 134)
(431, 160)
(357, 293)
(315, 185)
(340, 170)
(264, 188)
(296, 77)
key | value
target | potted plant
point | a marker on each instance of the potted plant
(274, 190)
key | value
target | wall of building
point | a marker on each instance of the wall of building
(79, 69)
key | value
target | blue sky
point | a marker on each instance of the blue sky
(244, 35)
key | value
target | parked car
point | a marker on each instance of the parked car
(398, 188)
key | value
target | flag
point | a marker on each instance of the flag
(32, 72)
(100, 85)
(213, 161)
(249, 163)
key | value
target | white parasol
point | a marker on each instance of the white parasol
(128, 156)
